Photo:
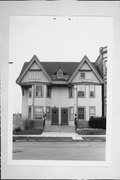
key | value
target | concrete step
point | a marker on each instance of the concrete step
(56, 128)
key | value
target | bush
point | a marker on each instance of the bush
(28, 124)
(17, 129)
(97, 122)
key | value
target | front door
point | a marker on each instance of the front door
(55, 116)
(64, 116)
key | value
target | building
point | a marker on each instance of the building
(101, 64)
(61, 90)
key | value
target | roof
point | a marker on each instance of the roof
(51, 67)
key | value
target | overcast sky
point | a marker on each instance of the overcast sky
(54, 39)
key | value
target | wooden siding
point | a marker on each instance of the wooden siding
(43, 78)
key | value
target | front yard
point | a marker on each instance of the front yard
(91, 131)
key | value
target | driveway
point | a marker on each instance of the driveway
(59, 151)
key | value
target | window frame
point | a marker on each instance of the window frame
(91, 91)
(33, 77)
(94, 110)
(81, 77)
(35, 112)
(84, 107)
(82, 91)
(60, 76)
(42, 95)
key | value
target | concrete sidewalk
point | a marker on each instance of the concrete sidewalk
(72, 135)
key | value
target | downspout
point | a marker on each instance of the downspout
(33, 100)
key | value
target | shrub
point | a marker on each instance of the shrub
(28, 124)
(97, 122)
(17, 129)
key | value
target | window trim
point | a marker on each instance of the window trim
(82, 91)
(84, 113)
(94, 109)
(42, 91)
(92, 91)
(81, 75)
(61, 75)
(33, 78)
(35, 113)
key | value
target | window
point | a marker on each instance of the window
(81, 113)
(48, 91)
(39, 91)
(59, 73)
(92, 111)
(82, 75)
(38, 112)
(30, 92)
(34, 75)
(71, 92)
(29, 112)
(92, 91)
(81, 91)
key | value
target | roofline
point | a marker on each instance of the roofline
(85, 58)
(34, 58)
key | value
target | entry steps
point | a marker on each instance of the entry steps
(56, 128)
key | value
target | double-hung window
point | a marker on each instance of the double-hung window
(39, 91)
(38, 112)
(92, 111)
(81, 113)
(92, 91)
(82, 75)
(30, 92)
(81, 91)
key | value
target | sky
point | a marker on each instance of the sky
(53, 38)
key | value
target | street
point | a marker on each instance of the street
(87, 151)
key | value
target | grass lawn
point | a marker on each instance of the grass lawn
(89, 131)
(28, 132)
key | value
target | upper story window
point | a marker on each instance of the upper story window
(39, 91)
(81, 91)
(34, 75)
(59, 73)
(82, 75)
(71, 92)
(48, 93)
(30, 92)
(92, 91)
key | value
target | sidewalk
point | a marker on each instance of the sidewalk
(72, 135)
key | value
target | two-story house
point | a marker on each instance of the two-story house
(60, 90)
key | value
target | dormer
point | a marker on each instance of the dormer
(60, 73)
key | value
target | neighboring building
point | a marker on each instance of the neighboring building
(60, 90)
(101, 64)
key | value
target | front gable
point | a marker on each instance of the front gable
(85, 72)
(34, 72)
